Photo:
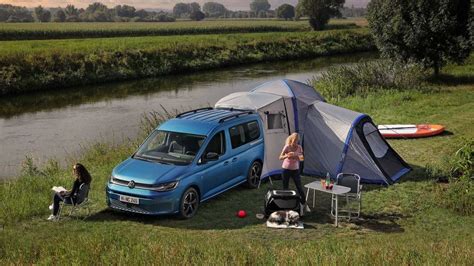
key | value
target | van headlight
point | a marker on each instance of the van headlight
(166, 186)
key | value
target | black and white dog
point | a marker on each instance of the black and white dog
(284, 218)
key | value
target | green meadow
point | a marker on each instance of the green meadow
(408, 223)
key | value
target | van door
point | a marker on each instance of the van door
(244, 139)
(215, 173)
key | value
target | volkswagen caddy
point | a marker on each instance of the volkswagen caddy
(187, 160)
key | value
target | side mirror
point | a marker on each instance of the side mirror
(212, 156)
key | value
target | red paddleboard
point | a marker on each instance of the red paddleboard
(410, 131)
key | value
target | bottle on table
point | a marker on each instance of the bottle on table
(328, 179)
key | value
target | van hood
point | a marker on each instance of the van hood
(145, 172)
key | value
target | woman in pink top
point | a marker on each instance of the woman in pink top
(291, 155)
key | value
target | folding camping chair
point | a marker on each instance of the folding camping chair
(82, 202)
(354, 195)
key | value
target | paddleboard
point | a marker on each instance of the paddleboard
(410, 131)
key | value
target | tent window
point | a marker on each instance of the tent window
(275, 121)
(377, 145)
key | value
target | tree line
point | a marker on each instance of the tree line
(95, 12)
(98, 12)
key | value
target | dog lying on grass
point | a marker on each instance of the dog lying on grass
(284, 218)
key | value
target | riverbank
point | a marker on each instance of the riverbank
(406, 223)
(57, 64)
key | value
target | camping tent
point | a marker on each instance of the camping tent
(334, 139)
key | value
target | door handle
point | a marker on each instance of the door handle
(234, 159)
(226, 163)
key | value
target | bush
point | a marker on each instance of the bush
(342, 81)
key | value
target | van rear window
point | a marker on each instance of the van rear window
(244, 133)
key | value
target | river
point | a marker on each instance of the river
(56, 124)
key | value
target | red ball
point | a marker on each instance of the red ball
(241, 214)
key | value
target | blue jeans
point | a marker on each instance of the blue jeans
(295, 174)
(57, 199)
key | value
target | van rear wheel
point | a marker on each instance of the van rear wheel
(189, 203)
(253, 176)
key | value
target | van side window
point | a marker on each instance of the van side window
(217, 144)
(244, 133)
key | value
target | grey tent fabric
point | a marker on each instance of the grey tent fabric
(334, 139)
(327, 129)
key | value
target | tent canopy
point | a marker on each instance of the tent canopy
(334, 139)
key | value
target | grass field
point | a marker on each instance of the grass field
(34, 31)
(56, 64)
(404, 224)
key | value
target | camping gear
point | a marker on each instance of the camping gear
(241, 214)
(334, 139)
(354, 195)
(336, 190)
(410, 131)
(278, 200)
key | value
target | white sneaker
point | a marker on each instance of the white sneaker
(51, 207)
(52, 218)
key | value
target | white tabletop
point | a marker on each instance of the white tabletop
(337, 189)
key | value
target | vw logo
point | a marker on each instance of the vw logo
(131, 184)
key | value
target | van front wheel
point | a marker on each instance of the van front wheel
(189, 203)
(253, 176)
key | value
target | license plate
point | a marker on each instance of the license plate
(129, 199)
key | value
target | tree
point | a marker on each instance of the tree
(42, 15)
(71, 10)
(142, 13)
(193, 7)
(286, 11)
(4, 14)
(197, 15)
(180, 10)
(320, 11)
(430, 32)
(259, 5)
(95, 7)
(59, 16)
(213, 9)
(125, 11)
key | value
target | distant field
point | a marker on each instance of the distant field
(35, 31)
(42, 47)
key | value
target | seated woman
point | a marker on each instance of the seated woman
(82, 177)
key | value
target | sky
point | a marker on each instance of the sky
(158, 4)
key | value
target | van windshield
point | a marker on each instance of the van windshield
(170, 147)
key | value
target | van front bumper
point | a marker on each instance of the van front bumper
(150, 202)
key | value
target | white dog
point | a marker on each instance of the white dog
(285, 217)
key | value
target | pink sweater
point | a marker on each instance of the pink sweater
(292, 163)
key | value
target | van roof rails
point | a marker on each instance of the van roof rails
(194, 111)
(235, 116)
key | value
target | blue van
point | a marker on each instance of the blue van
(187, 160)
